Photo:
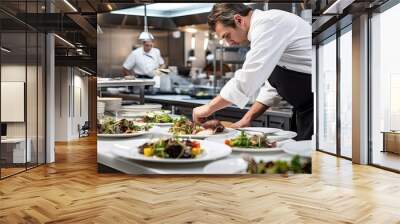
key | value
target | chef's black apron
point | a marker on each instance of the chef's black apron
(295, 88)
(139, 76)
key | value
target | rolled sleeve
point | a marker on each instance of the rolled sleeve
(268, 95)
(129, 62)
(268, 42)
(160, 59)
(231, 93)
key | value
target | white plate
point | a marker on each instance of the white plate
(142, 108)
(301, 148)
(261, 129)
(128, 135)
(273, 134)
(226, 166)
(238, 149)
(282, 135)
(130, 150)
(162, 124)
(226, 132)
(132, 114)
(137, 114)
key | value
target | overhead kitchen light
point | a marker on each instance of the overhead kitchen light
(70, 5)
(191, 29)
(65, 41)
(99, 30)
(5, 50)
(84, 71)
(337, 7)
(169, 10)
(176, 34)
(109, 7)
(79, 51)
(145, 35)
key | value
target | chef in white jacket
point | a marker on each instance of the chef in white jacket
(278, 63)
(142, 61)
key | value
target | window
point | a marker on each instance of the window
(22, 101)
(385, 84)
(327, 96)
(346, 92)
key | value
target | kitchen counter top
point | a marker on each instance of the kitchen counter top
(188, 100)
(124, 82)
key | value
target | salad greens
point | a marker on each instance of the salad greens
(171, 148)
(123, 126)
(244, 140)
(153, 117)
(295, 165)
(183, 126)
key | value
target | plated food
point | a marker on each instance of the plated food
(154, 117)
(183, 126)
(135, 149)
(111, 127)
(295, 165)
(171, 148)
(244, 140)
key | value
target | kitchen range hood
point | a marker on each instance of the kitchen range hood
(162, 16)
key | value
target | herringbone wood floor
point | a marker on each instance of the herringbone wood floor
(71, 191)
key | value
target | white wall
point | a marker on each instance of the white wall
(16, 73)
(34, 124)
(71, 103)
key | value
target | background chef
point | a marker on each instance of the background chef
(142, 61)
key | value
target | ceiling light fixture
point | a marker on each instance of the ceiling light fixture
(5, 50)
(99, 30)
(84, 71)
(65, 41)
(191, 30)
(70, 5)
(145, 35)
(169, 10)
(337, 7)
(109, 7)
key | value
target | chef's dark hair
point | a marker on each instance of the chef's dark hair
(224, 13)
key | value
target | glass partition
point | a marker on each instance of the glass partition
(346, 93)
(22, 89)
(385, 89)
(327, 95)
(15, 152)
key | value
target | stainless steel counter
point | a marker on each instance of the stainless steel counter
(138, 83)
(185, 99)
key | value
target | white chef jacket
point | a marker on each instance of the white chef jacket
(276, 38)
(143, 63)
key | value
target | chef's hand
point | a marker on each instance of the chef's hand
(255, 111)
(130, 77)
(200, 114)
(244, 122)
